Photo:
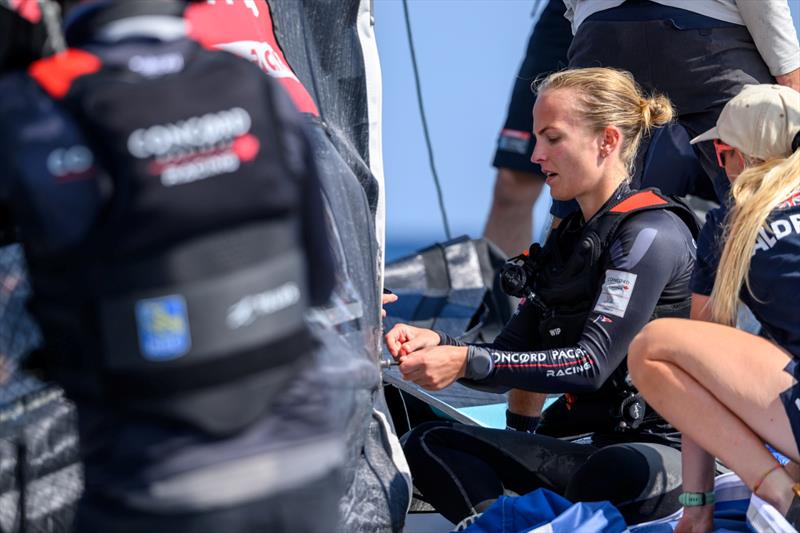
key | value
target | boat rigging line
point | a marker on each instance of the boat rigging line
(425, 123)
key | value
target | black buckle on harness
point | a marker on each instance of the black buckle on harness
(631, 411)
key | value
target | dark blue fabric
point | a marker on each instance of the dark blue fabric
(705, 269)
(774, 273)
(541, 507)
(670, 162)
(633, 10)
(44, 196)
(729, 516)
(791, 399)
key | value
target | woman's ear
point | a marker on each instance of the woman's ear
(610, 140)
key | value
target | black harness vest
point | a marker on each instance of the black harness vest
(569, 270)
(185, 299)
(570, 264)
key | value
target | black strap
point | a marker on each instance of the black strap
(171, 381)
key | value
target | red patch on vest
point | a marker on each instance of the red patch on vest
(638, 201)
(56, 73)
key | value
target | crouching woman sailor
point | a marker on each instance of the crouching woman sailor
(744, 385)
(623, 258)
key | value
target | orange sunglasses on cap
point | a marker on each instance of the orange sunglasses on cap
(721, 148)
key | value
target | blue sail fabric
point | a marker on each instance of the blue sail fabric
(737, 509)
(547, 510)
(543, 511)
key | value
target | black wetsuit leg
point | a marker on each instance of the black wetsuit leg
(458, 468)
(642, 480)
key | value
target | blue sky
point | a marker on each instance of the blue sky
(468, 52)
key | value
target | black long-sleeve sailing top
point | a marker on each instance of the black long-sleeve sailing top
(650, 262)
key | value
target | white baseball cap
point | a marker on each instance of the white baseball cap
(761, 121)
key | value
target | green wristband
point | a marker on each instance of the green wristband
(697, 499)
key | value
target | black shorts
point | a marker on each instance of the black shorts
(791, 399)
(547, 52)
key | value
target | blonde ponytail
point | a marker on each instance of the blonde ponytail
(756, 193)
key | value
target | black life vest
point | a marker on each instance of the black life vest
(570, 269)
(570, 266)
(185, 299)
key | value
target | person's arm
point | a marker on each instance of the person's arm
(770, 24)
(697, 465)
(698, 476)
(701, 308)
(791, 80)
(649, 251)
(43, 196)
(433, 359)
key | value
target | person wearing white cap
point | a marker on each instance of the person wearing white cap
(745, 386)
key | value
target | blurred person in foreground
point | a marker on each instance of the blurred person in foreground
(173, 245)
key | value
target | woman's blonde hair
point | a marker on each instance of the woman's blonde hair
(611, 97)
(756, 193)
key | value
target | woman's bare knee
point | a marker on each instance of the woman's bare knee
(651, 344)
(650, 340)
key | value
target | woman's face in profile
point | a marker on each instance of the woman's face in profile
(566, 149)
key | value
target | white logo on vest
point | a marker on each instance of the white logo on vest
(253, 306)
(196, 148)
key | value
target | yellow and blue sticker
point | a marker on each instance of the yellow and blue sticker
(163, 325)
